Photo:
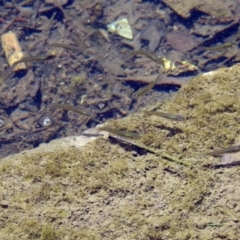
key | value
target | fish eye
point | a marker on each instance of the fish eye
(46, 121)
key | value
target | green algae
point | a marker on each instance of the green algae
(107, 190)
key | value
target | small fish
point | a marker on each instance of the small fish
(65, 46)
(231, 164)
(120, 133)
(234, 148)
(91, 134)
(170, 116)
(215, 224)
(33, 59)
(79, 110)
(149, 55)
(144, 90)
(219, 47)
(79, 42)
(9, 71)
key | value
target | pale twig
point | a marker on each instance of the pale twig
(149, 149)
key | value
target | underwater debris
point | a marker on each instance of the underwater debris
(58, 4)
(46, 121)
(122, 28)
(178, 67)
(129, 137)
(163, 155)
(169, 66)
(152, 150)
(12, 50)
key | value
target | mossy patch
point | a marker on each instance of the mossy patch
(110, 190)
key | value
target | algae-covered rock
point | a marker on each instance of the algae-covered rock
(112, 190)
(215, 8)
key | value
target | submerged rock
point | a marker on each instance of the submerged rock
(181, 41)
(99, 189)
(215, 8)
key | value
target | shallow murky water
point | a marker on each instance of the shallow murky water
(99, 70)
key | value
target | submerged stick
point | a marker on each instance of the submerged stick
(163, 155)
(149, 149)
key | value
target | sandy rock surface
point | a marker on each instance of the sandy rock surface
(113, 190)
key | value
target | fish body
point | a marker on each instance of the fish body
(170, 116)
(120, 133)
(33, 59)
(79, 110)
(65, 46)
(234, 148)
(10, 71)
(219, 47)
(154, 57)
(144, 90)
